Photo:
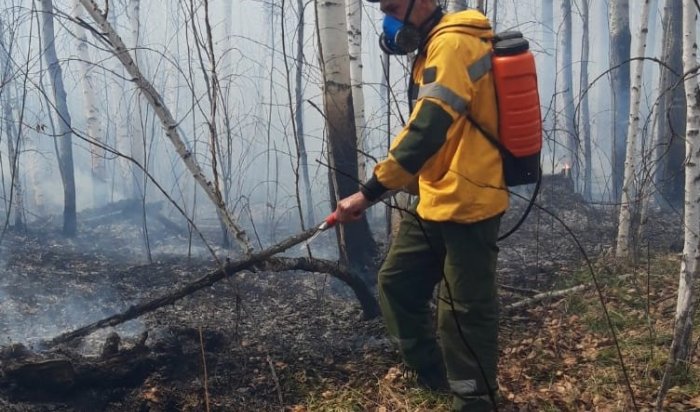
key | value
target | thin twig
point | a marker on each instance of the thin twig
(276, 380)
(204, 367)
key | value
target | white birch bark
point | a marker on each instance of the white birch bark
(11, 135)
(620, 40)
(91, 112)
(584, 122)
(681, 345)
(565, 92)
(64, 120)
(169, 124)
(13, 151)
(455, 5)
(356, 242)
(354, 12)
(546, 64)
(137, 136)
(335, 61)
(299, 114)
(625, 220)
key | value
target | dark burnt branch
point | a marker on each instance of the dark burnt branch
(228, 269)
(370, 308)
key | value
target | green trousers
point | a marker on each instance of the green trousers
(461, 258)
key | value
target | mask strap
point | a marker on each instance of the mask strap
(409, 10)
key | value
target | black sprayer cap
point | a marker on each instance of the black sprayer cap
(511, 47)
(506, 35)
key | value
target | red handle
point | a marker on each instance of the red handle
(331, 219)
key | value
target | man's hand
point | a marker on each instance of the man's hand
(351, 208)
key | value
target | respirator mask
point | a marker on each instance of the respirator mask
(398, 37)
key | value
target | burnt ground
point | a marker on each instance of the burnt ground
(270, 341)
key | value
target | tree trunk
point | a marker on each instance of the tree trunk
(91, 110)
(627, 199)
(357, 248)
(620, 43)
(122, 177)
(565, 93)
(16, 207)
(584, 121)
(299, 114)
(456, 5)
(354, 13)
(13, 151)
(681, 346)
(670, 132)
(65, 152)
(167, 121)
(136, 112)
(546, 65)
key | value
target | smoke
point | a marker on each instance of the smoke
(30, 315)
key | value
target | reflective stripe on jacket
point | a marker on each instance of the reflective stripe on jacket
(460, 174)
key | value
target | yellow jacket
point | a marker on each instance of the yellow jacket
(460, 174)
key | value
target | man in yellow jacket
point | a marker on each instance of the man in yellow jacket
(450, 239)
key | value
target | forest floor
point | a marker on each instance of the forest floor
(296, 341)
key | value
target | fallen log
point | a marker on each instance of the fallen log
(62, 374)
(227, 269)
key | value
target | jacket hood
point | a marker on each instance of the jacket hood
(471, 22)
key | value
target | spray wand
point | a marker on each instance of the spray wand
(328, 223)
(332, 219)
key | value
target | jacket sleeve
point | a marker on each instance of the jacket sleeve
(445, 94)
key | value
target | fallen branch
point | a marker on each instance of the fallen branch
(546, 295)
(553, 294)
(370, 307)
(228, 269)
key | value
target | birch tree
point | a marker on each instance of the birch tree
(455, 5)
(299, 112)
(625, 220)
(584, 126)
(355, 240)
(565, 92)
(12, 135)
(354, 13)
(170, 125)
(137, 138)
(65, 134)
(546, 63)
(620, 43)
(682, 344)
(91, 112)
(15, 207)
